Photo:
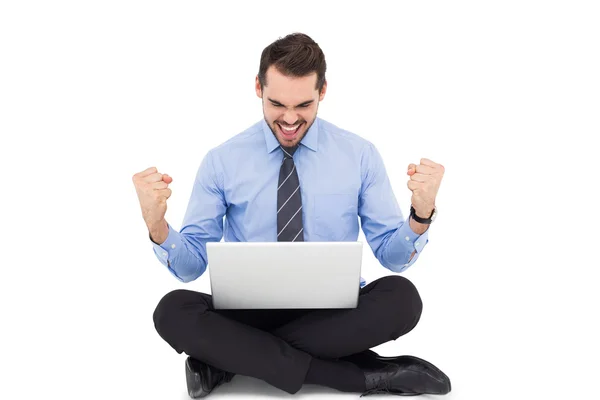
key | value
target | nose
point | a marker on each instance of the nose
(290, 117)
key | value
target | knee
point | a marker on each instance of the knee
(407, 305)
(168, 313)
(402, 290)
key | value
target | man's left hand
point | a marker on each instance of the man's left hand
(424, 183)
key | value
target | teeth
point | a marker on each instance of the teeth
(293, 128)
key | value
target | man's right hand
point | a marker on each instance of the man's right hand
(153, 191)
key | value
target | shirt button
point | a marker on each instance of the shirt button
(407, 238)
(406, 265)
(173, 246)
(164, 254)
(416, 244)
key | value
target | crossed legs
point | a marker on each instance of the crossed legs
(278, 346)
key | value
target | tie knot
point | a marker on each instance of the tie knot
(288, 152)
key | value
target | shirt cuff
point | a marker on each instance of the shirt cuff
(171, 245)
(416, 241)
(405, 242)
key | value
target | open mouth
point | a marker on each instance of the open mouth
(289, 132)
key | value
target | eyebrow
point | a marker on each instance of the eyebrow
(301, 104)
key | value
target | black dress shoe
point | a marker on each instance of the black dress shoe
(202, 378)
(402, 375)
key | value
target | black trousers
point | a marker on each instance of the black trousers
(277, 345)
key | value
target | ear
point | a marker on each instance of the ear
(322, 94)
(257, 88)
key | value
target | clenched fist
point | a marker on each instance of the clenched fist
(152, 189)
(424, 183)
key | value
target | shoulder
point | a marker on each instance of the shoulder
(235, 147)
(244, 140)
(338, 136)
(363, 151)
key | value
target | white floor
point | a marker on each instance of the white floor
(250, 388)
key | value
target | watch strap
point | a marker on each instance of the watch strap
(420, 220)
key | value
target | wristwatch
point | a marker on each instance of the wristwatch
(423, 220)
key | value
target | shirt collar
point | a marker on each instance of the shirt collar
(310, 140)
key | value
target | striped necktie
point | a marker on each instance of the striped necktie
(289, 201)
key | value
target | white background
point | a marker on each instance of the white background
(505, 95)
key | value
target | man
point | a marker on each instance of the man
(295, 177)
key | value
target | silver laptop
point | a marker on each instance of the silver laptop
(284, 275)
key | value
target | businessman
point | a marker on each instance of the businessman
(295, 177)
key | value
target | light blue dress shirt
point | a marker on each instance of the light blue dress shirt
(342, 179)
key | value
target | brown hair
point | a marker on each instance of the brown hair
(294, 55)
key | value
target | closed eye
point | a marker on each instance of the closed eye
(281, 105)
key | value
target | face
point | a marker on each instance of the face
(290, 104)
